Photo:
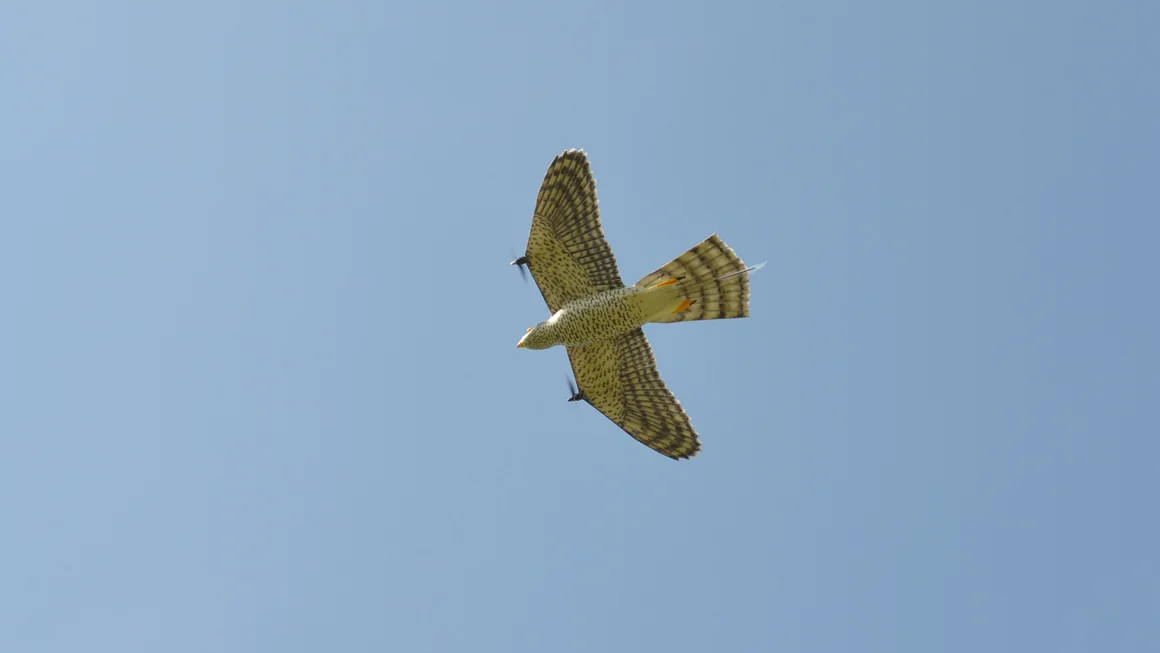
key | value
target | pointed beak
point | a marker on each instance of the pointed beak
(520, 343)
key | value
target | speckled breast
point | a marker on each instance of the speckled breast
(598, 317)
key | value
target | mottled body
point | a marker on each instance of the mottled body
(603, 316)
(599, 319)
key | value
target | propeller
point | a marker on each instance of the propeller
(521, 262)
(577, 395)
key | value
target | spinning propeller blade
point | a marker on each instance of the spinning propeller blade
(577, 395)
(521, 262)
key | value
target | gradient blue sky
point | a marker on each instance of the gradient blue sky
(261, 390)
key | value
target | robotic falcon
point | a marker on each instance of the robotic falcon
(599, 319)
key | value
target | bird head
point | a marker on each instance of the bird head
(536, 338)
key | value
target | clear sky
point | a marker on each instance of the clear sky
(260, 387)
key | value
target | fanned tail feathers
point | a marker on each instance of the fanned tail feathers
(710, 280)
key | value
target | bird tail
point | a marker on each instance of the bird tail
(708, 282)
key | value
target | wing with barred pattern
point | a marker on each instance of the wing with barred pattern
(620, 379)
(567, 253)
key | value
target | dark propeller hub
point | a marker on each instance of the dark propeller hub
(522, 262)
(577, 395)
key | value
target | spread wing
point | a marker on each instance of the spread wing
(619, 378)
(567, 253)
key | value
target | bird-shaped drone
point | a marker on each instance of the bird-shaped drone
(599, 319)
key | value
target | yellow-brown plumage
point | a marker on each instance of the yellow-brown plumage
(599, 320)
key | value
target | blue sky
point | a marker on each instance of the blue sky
(261, 389)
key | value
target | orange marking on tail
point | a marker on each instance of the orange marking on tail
(685, 305)
(667, 282)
